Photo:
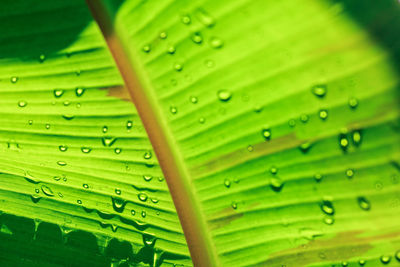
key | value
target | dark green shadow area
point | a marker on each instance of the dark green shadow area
(29, 28)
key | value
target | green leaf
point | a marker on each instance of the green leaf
(275, 125)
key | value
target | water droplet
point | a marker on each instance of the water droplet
(142, 197)
(250, 148)
(186, 19)
(345, 264)
(273, 170)
(86, 186)
(37, 191)
(154, 200)
(60, 194)
(14, 79)
(47, 126)
(202, 120)
(385, 259)
(66, 103)
(163, 35)
(361, 262)
(209, 63)
(178, 66)
(353, 102)
(224, 95)
(197, 38)
(356, 137)
(234, 205)
(147, 155)
(276, 184)
(349, 173)
(143, 214)
(78, 105)
(42, 58)
(304, 118)
(305, 147)
(343, 142)
(147, 178)
(129, 125)
(63, 148)
(397, 255)
(61, 163)
(133, 212)
(193, 99)
(318, 177)
(118, 204)
(58, 93)
(105, 129)
(79, 91)
(292, 123)
(266, 133)
(216, 43)
(68, 117)
(147, 48)
(323, 114)
(79, 202)
(171, 49)
(329, 220)
(47, 191)
(57, 178)
(173, 109)
(118, 191)
(364, 203)
(22, 104)
(327, 207)
(205, 18)
(35, 198)
(108, 141)
(227, 183)
(86, 149)
(319, 90)
(30, 122)
(117, 150)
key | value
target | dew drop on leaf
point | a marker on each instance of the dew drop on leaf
(193, 99)
(304, 118)
(63, 148)
(171, 49)
(186, 19)
(329, 220)
(22, 104)
(353, 102)
(216, 43)
(35, 198)
(250, 148)
(345, 264)
(319, 90)
(364, 203)
(68, 117)
(154, 200)
(197, 38)
(61, 163)
(349, 173)
(173, 110)
(146, 48)
(142, 197)
(117, 150)
(108, 141)
(129, 125)
(224, 95)
(58, 93)
(14, 79)
(163, 35)
(205, 18)
(397, 255)
(47, 126)
(234, 205)
(343, 142)
(118, 204)
(117, 191)
(147, 155)
(147, 178)
(273, 170)
(361, 262)
(327, 207)
(266, 133)
(209, 63)
(178, 66)
(86, 186)
(202, 120)
(292, 123)
(385, 259)
(79, 91)
(305, 147)
(318, 177)
(47, 191)
(143, 214)
(42, 58)
(323, 114)
(86, 149)
(30, 122)
(356, 137)
(79, 202)
(133, 212)
(227, 183)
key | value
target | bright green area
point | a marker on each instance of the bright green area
(286, 114)
(79, 182)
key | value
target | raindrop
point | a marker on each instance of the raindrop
(345, 264)
(397, 255)
(14, 79)
(186, 19)
(234, 205)
(292, 123)
(323, 114)
(133, 212)
(304, 118)
(305, 147)
(205, 18)
(385, 259)
(129, 125)
(142, 197)
(61, 163)
(216, 43)
(35, 198)
(108, 141)
(273, 170)
(42, 58)
(197, 38)
(68, 117)
(117, 150)
(117, 191)
(154, 200)
(22, 104)
(250, 148)
(178, 66)
(318, 177)
(147, 155)
(329, 220)
(30, 122)
(227, 183)
(66, 103)
(353, 102)
(343, 142)
(356, 137)
(224, 95)
(327, 207)
(319, 90)
(47, 191)
(202, 120)
(118, 204)
(79, 202)
(86, 186)
(63, 148)
(143, 214)
(173, 109)
(163, 35)
(147, 178)
(209, 63)
(364, 203)
(361, 262)
(276, 184)
(105, 129)
(147, 48)
(86, 149)
(47, 126)
(266, 133)
(79, 91)
(58, 93)
(171, 49)
(349, 173)
(193, 99)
